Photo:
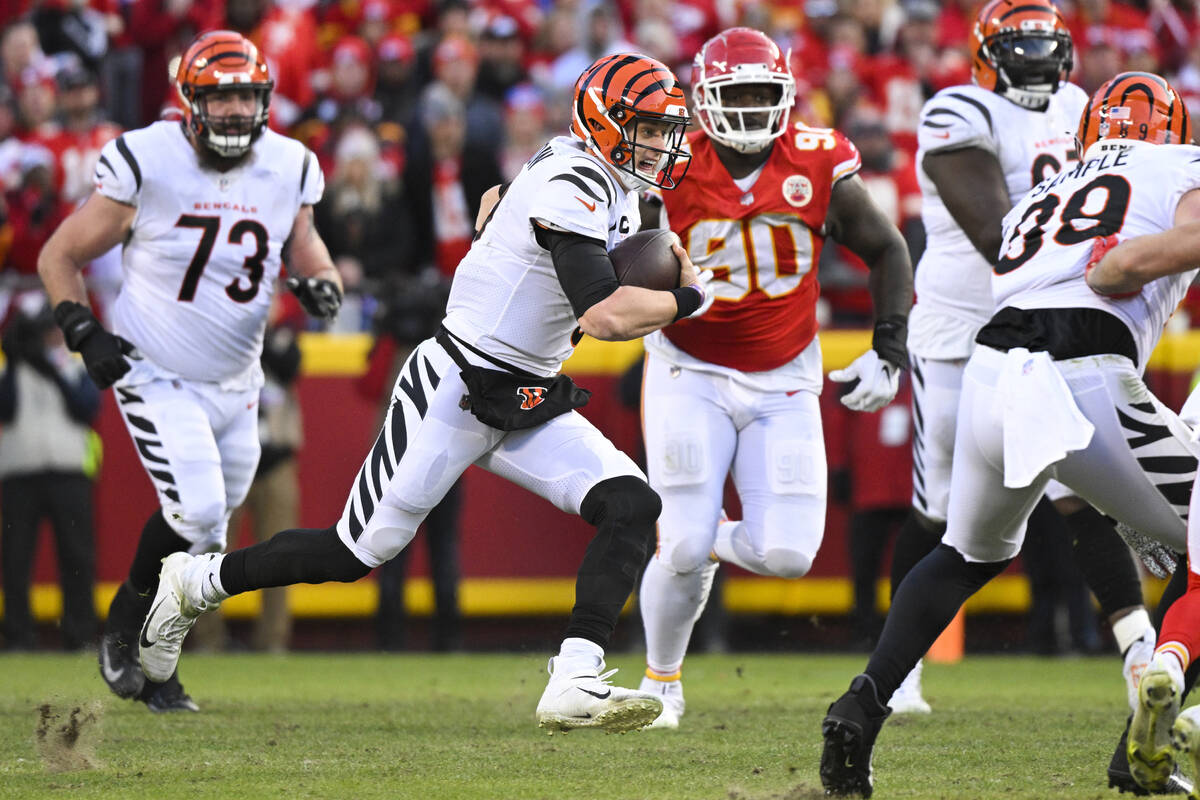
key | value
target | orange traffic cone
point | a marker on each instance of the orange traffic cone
(948, 648)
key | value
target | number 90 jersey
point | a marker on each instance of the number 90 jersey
(1048, 235)
(203, 255)
(762, 245)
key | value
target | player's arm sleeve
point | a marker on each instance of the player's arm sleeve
(575, 197)
(846, 159)
(312, 180)
(118, 175)
(582, 265)
(954, 120)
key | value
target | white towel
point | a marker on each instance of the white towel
(1042, 423)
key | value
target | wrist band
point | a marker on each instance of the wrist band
(890, 340)
(687, 300)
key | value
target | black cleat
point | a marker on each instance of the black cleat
(162, 698)
(119, 665)
(1121, 779)
(849, 728)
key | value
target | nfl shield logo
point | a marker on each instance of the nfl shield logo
(797, 190)
(224, 183)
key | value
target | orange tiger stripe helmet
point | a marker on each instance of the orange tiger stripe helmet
(1021, 50)
(1133, 107)
(612, 97)
(221, 61)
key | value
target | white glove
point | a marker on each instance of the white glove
(704, 279)
(877, 382)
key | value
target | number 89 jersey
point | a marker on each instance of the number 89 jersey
(1048, 235)
(203, 254)
(762, 245)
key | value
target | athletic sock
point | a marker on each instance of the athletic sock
(1105, 561)
(927, 600)
(158, 540)
(671, 603)
(913, 543)
(293, 556)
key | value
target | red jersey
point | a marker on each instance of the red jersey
(75, 154)
(762, 246)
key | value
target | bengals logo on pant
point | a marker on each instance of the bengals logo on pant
(531, 396)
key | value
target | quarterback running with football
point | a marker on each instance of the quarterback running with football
(736, 390)
(206, 209)
(487, 390)
(982, 147)
(1053, 390)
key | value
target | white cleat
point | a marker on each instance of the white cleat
(908, 699)
(1137, 659)
(1151, 761)
(586, 699)
(671, 694)
(175, 609)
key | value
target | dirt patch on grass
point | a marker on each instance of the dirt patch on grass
(66, 737)
(800, 792)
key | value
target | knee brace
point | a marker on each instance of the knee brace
(624, 510)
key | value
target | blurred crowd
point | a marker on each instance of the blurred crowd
(414, 107)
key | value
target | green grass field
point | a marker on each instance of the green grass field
(461, 726)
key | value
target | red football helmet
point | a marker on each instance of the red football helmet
(738, 57)
(616, 93)
(1021, 50)
(1133, 107)
(220, 61)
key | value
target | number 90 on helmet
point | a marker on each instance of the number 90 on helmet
(220, 61)
(1130, 108)
(614, 99)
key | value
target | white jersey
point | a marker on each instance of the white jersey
(1131, 192)
(506, 299)
(952, 278)
(201, 261)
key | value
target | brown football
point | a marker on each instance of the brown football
(645, 259)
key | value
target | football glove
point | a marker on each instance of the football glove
(1158, 559)
(874, 382)
(1100, 246)
(320, 298)
(104, 354)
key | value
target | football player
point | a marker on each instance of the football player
(1122, 270)
(487, 390)
(736, 390)
(206, 208)
(1053, 390)
(982, 147)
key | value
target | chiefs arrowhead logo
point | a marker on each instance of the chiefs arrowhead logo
(531, 396)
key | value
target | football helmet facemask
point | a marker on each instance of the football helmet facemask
(220, 61)
(742, 57)
(1021, 50)
(614, 98)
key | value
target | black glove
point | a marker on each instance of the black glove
(320, 298)
(103, 352)
(890, 340)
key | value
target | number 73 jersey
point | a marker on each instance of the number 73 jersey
(201, 261)
(1048, 236)
(762, 245)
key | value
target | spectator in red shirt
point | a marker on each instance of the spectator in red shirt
(83, 134)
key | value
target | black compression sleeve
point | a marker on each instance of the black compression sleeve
(583, 267)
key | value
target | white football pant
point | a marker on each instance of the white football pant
(1138, 467)
(199, 445)
(700, 427)
(427, 441)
